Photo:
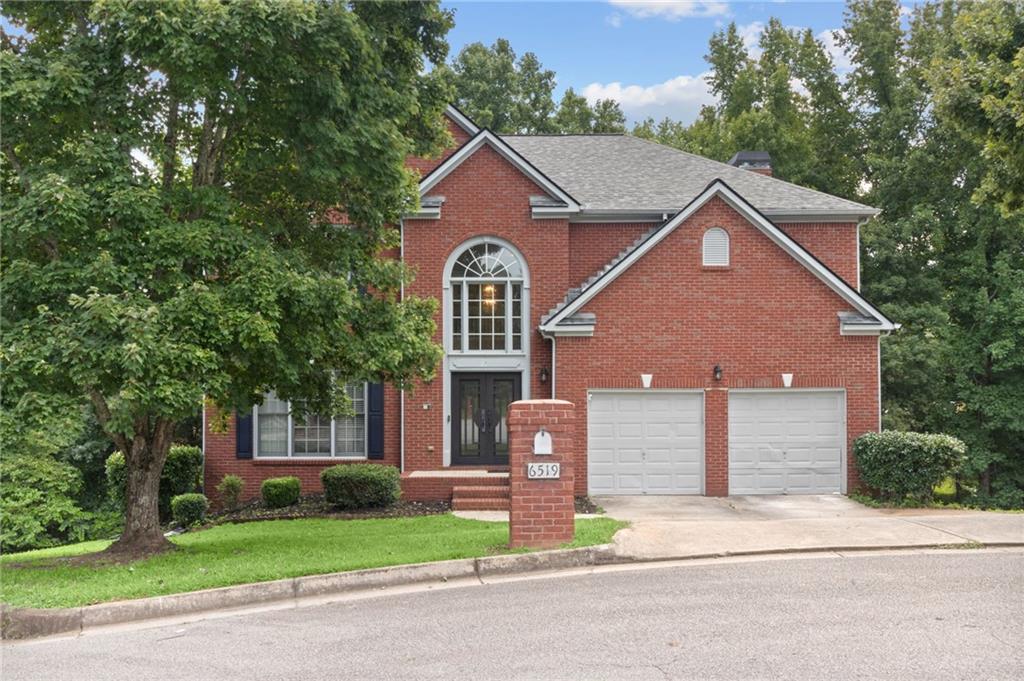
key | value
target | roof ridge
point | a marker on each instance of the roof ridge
(732, 167)
(563, 134)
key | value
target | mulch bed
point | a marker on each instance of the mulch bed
(585, 505)
(315, 506)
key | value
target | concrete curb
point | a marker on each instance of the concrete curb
(28, 623)
(25, 623)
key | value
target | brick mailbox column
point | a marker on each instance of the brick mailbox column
(541, 510)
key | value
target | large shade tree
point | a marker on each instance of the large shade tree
(169, 176)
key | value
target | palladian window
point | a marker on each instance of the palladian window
(487, 300)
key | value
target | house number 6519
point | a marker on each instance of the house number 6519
(543, 471)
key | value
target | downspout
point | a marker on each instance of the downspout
(554, 365)
(401, 393)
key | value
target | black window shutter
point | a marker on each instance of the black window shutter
(375, 421)
(243, 435)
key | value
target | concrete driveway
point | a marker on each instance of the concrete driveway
(688, 526)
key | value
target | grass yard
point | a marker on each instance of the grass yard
(259, 552)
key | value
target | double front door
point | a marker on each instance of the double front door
(479, 416)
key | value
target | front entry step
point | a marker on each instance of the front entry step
(480, 498)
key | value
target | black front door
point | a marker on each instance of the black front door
(479, 412)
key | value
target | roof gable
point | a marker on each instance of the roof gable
(462, 120)
(563, 201)
(577, 298)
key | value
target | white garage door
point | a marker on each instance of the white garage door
(645, 442)
(786, 442)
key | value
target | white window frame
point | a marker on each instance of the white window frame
(290, 456)
(704, 247)
(464, 283)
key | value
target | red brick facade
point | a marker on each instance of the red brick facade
(667, 315)
(541, 513)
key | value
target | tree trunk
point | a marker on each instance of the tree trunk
(144, 462)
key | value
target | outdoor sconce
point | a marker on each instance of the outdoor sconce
(718, 372)
(544, 375)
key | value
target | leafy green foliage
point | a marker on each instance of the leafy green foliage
(807, 128)
(173, 183)
(901, 464)
(189, 509)
(363, 485)
(515, 95)
(181, 474)
(280, 492)
(230, 490)
(979, 88)
(37, 503)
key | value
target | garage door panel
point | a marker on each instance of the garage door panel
(786, 442)
(655, 441)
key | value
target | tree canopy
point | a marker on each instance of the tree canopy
(195, 202)
(511, 94)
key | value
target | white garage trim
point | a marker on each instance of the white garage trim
(839, 438)
(693, 452)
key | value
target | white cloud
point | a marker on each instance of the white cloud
(679, 98)
(830, 39)
(614, 20)
(751, 36)
(673, 10)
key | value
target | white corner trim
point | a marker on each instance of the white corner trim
(487, 137)
(738, 203)
(461, 119)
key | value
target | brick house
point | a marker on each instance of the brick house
(704, 317)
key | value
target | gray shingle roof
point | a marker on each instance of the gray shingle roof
(619, 173)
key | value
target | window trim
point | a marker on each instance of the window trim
(704, 247)
(333, 456)
(451, 281)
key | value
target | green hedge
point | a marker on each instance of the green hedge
(901, 464)
(182, 474)
(189, 509)
(230, 491)
(361, 485)
(280, 492)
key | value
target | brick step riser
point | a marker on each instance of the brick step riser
(482, 492)
(479, 504)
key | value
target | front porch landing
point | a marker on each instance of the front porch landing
(466, 488)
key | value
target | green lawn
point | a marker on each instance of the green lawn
(258, 552)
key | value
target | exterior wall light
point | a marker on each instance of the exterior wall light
(544, 375)
(717, 372)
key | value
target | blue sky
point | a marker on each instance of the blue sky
(647, 54)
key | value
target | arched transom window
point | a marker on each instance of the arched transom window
(487, 300)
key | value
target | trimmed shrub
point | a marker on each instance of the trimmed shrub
(901, 464)
(361, 485)
(280, 492)
(189, 509)
(230, 491)
(182, 473)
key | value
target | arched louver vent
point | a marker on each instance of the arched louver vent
(716, 247)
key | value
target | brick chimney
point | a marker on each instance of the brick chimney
(755, 161)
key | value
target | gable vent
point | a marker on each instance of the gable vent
(716, 247)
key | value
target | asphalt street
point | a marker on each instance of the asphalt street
(938, 615)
